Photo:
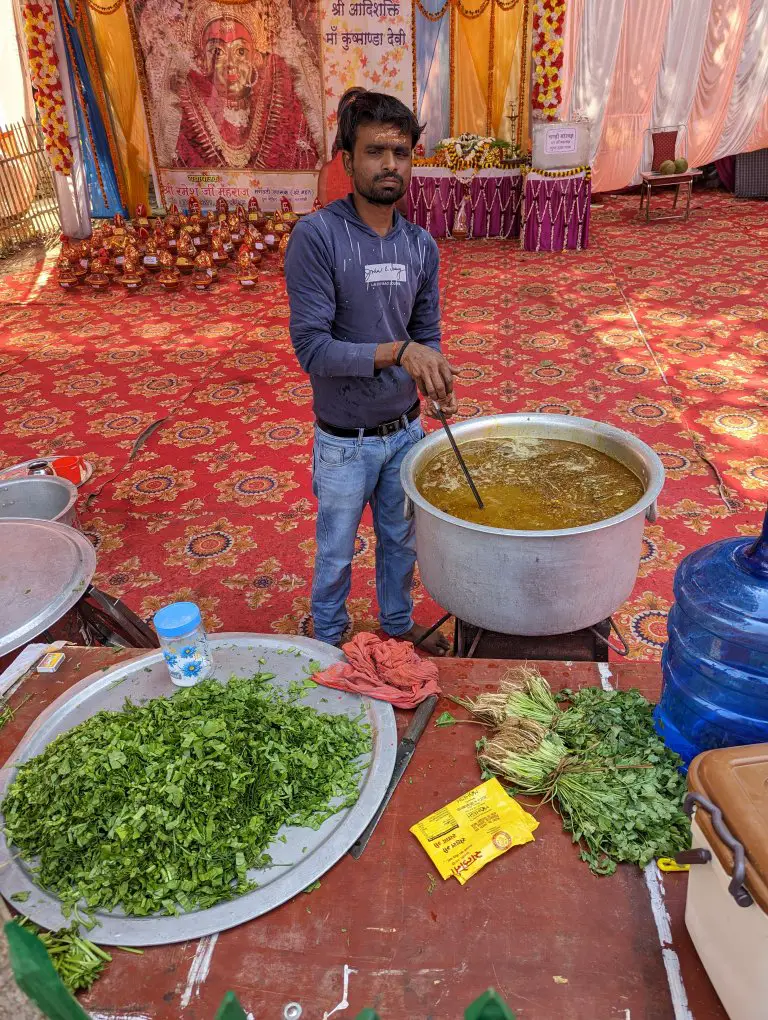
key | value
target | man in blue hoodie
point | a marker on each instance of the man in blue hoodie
(365, 324)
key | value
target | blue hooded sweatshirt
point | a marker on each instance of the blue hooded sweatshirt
(350, 290)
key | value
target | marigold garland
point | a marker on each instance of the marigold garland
(46, 82)
(547, 56)
(573, 171)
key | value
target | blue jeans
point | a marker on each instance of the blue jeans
(347, 474)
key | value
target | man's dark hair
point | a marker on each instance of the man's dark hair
(359, 106)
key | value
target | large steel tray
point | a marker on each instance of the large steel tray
(147, 677)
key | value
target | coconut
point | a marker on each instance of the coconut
(667, 167)
(681, 165)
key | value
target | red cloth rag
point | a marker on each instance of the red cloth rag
(388, 670)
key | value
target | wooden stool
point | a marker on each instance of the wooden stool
(652, 181)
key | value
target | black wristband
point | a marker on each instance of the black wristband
(400, 353)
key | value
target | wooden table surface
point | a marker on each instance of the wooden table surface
(420, 947)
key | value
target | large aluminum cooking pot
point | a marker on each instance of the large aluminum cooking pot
(532, 582)
(40, 497)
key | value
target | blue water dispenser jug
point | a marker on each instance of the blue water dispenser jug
(715, 661)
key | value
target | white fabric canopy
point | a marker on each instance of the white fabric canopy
(705, 65)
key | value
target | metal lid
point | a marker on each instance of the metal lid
(735, 779)
(724, 588)
(44, 570)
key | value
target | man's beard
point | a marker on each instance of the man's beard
(378, 195)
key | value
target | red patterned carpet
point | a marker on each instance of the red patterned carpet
(662, 330)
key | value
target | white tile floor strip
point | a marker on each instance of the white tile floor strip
(198, 971)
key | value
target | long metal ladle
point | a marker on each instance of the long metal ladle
(459, 457)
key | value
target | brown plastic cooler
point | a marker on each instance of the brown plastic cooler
(727, 905)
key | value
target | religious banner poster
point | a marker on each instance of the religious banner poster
(234, 97)
(367, 43)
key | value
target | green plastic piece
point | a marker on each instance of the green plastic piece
(36, 977)
(368, 1014)
(230, 1008)
(490, 1006)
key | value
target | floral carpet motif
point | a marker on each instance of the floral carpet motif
(197, 419)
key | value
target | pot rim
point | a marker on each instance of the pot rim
(656, 474)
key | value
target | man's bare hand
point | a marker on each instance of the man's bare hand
(429, 370)
(449, 407)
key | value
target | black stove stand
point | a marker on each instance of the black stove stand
(588, 645)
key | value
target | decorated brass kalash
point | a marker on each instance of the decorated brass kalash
(196, 214)
(185, 258)
(151, 251)
(270, 238)
(226, 238)
(170, 235)
(255, 242)
(133, 271)
(256, 217)
(234, 228)
(133, 252)
(65, 266)
(245, 269)
(169, 277)
(222, 210)
(281, 250)
(218, 255)
(173, 217)
(287, 213)
(205, 271)
(141, 217)
(198, 232)
(102, 270)
(84, 251)
(316, 205)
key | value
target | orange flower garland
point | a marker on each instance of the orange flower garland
(547, 56)
(44, 72)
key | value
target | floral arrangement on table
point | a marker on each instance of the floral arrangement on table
(44, 74)
(547, 56)
(470, 152)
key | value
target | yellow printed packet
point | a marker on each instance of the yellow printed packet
(473, 830)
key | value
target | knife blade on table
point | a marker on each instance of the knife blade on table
(405, 749)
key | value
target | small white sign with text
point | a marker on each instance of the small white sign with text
(560, 140)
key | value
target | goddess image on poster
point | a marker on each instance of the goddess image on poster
(233, 85)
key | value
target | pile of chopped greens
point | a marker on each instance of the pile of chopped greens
(165, 806)
(599, 761)
(76, 960)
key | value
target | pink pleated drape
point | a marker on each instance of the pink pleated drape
(719, 62)
(628, 109)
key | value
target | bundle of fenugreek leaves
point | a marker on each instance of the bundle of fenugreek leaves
(597, 759)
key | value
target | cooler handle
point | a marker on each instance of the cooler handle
(651, 513)
(408, 508)
(736, 885)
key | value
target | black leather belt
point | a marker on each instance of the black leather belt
(387, 428)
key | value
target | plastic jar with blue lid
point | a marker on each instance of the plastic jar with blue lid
(184, 642)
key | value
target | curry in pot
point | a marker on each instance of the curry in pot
(530, 484)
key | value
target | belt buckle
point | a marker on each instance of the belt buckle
(389, 428)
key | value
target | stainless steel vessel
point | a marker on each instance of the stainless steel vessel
(532, 582)
(39, 497)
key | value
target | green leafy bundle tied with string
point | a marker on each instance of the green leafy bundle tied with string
(165, 806)
(600, 763)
